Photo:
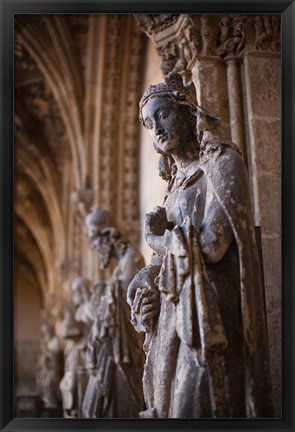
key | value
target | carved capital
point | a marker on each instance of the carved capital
(180, 39)
(175, 38)
(152, 24)
(267, 33)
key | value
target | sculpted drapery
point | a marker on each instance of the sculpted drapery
(200, 299)
(116, 357)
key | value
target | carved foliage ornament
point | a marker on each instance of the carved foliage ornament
(152, 24)
(231, 37)
(179, 39)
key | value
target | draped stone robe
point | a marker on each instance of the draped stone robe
(208, 355)
(114, 389)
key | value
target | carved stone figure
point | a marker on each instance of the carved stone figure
(276, 39)
(267, 33)
(168, 53)
(115, 386)
(75, 329)
(154, 23)
(262, 34)
(232, 35)
(49, 367)
(208, 36)
(200, 299)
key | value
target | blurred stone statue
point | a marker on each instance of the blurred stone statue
(200, 299)
(75, 331)
(49, 367)
(116, 356)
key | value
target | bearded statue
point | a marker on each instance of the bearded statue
(116, 356)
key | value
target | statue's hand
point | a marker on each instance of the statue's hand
(157, 227)
(143, 298)
(147, 305)
(145, 309)
(144, 278)
(156, 222)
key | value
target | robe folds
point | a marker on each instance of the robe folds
(208, 355)
(116, 357)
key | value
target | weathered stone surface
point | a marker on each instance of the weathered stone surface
(263, 98)
(115, 355)
(272, 259)
(266, 153)
(269, 185)
(76, 129)
(275, 338)
(210, 73)
(199, 301)
(264, 84)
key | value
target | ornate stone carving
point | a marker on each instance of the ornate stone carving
(179, 39)
(267, 33)
(175, 38)
(200, 299)
(232, 35)
(152, 24)
(109, 120)
(42, 118)
(129, 138)
(179, 53)
(116, 350)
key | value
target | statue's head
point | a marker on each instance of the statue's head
(168, 110)
(100, 231)
(80, 290)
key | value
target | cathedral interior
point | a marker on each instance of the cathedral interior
(79, 144)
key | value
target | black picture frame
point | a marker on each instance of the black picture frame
(7, 10)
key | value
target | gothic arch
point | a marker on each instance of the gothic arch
(50, 50)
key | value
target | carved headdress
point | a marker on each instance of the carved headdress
(174, 88)
(99, 218)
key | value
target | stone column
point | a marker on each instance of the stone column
(209, 76)
(235, 101)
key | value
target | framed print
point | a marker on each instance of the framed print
(147, 215)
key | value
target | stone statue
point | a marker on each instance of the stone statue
(115, 385)
(76, 326)
(49, 367)
(200, 299)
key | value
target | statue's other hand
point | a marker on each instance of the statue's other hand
(144, 279)
(150, 307)
(134, 285)
(146, 307)
(156, 222)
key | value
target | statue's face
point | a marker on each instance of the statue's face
(103, 245)
(92, 233)
(100, 241)
(76, 296)
(168, 124)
